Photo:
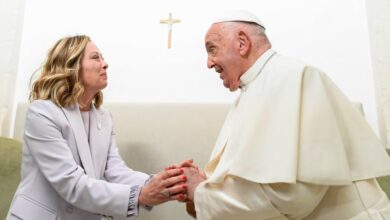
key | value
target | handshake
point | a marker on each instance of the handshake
(176, 182)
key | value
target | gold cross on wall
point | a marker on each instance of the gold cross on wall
(169, 22)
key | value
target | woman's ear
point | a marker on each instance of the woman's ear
(244, 42)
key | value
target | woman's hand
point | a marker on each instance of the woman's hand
(185, 163)
(164, 186)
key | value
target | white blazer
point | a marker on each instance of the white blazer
(65, 177)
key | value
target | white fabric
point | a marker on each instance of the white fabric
(62, 177)
(239, 15)
(291, 123)
(236, 198)
(363, 200)
(293, 147)
(295, 201)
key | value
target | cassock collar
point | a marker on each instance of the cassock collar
(255, 69)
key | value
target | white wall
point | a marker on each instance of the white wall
(330, 34)
(378, 14)
(11, 20)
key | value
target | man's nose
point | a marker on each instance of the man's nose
(210, 63)
(105, 64)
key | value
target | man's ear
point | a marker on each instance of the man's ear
(245, 43)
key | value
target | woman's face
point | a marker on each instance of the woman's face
(93, 73)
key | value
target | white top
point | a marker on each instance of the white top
(85, 117)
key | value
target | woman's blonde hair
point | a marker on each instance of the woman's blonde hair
(59, 80)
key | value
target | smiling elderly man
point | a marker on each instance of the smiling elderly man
(292, 145)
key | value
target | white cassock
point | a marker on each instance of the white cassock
(293, 147)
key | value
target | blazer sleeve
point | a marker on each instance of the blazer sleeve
(44, 139)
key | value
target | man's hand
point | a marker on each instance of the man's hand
(194, 177)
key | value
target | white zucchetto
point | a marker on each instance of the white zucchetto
(239, 15)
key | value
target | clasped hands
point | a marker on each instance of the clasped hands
(176, 182)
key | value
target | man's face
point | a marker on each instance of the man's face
(223, 55)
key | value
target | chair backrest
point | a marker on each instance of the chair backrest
(10, 158)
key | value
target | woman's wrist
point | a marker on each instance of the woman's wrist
(141, 197)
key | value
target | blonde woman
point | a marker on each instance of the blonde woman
(71, 168)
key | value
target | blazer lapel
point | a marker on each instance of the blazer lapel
(76, 122)
(99, 139)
